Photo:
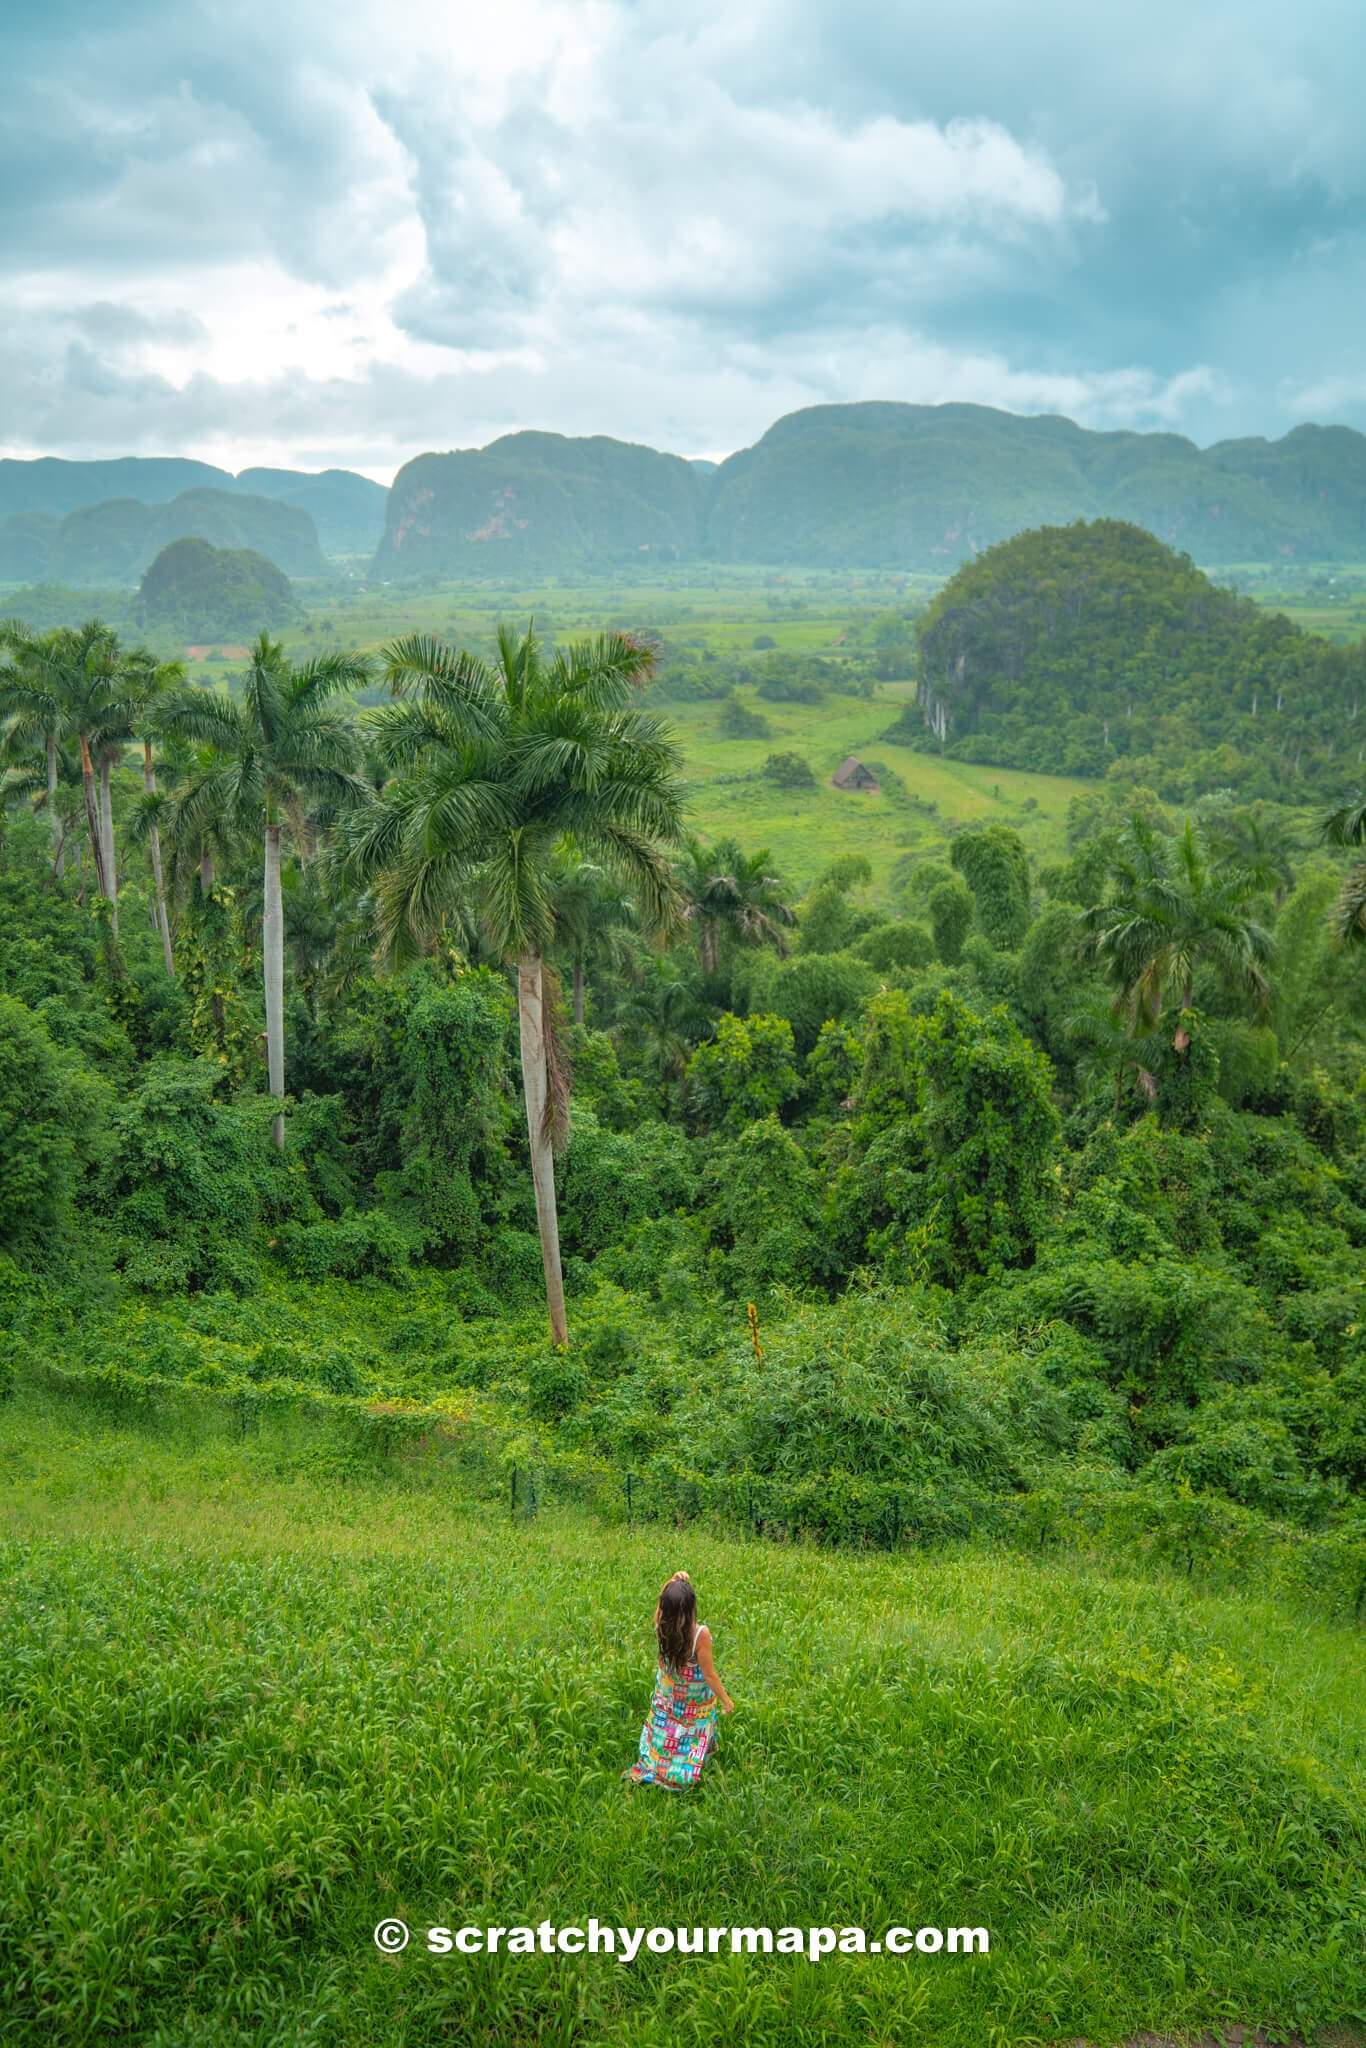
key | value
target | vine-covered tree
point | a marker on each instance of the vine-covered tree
(278, 745)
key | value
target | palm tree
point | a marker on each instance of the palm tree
(730, 894)
(1261, 843)
(147, 683)
(21, 774)
(1176, 907)
(33, 709)
(664, 1019)
(281, 743)
(593, 918)
(198, 827)
(1347, 827)
(497, 767)
(81, 667)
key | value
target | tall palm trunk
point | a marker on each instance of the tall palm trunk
(106, 808)
(273, 949)
(535, 1086)
(93, 821)
(58, 855)
(149, 783)
(206, 870)
(578, 988)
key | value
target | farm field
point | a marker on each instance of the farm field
(792, 612)
(806, 829)
(253, 1708)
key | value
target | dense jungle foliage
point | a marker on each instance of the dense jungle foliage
(1036, 1176)
(1087, 649)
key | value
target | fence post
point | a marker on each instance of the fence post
(629, 1503)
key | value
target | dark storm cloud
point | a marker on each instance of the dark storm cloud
(360, 232)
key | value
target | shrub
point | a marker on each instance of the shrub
(815, 989)
(365, 1247)
(747, 1071)
(893, 945)
(993, 862)
(764, 1211)
(188, 1180)
(950, 908)
(51, 1113)
(790, 771)
(829, 922)
(739, 722)
(610, 1181)
(955, 1118)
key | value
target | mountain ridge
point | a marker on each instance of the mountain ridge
(347, 509)
(870, 485)
(111, 543)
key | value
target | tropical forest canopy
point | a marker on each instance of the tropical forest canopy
(430, 1035)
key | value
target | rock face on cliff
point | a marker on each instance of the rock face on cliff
(540, 502)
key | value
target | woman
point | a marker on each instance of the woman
(680, 1732)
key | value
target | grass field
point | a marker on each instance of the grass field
(727, 791)
(724, 611)
(806, 829)
(251, 1710)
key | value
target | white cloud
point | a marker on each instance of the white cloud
(320, 235)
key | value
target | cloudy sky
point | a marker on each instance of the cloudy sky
(340, 231)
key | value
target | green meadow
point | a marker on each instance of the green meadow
(727, 790)
(255, 1703)
(912, 809)
(724, 611)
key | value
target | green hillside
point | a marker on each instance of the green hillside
(933, 485)
(539, 501)
(1076, 648)
(918, 488)
(210, 593)
(111, 544)
(346, 509)
(48, 483)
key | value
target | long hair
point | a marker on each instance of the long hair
(675, 1619)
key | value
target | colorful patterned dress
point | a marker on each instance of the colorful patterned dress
(680, 1733)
